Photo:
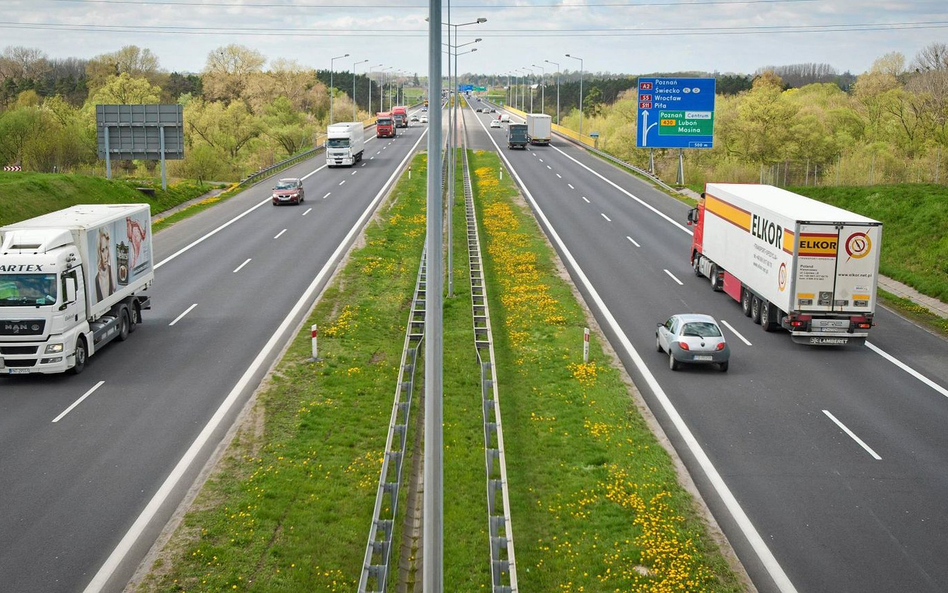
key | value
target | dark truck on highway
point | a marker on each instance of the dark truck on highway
(517, 136)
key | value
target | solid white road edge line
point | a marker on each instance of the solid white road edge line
(907, 369)
(680, 283)
(633, 241)
(618, 187)
(118, 554)
(279, 234)
(308, 210)
(853, 436)
(78, 401)
(735, 332)
(241, 266)
(313, 172)
(743, 522)
(179, 317)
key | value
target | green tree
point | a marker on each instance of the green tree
(125, 90)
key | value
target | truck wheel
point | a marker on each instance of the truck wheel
(696, 264)
(755, 309)
(767, 315)
(135, 318)
(715, 283)
(82, 354)
(746, 302)
(672, 363)
(124, 325)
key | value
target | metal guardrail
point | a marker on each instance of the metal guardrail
(588, 144)
(378, 550)
(503, 566)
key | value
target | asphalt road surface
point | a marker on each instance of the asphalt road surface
(90, 487)
(827, 468)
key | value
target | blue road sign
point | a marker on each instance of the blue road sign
(675, 113)
(465, 87)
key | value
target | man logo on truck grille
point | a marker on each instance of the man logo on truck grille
(858, 246)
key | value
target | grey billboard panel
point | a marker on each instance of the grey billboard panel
(134, 131)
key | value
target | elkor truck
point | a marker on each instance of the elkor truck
(539, 128)
(344, 143)
(790, 261)
(70, 282)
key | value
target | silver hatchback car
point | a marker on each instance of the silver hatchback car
(692, 338)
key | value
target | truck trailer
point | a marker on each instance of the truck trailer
(70, 282)
(344, 144)
(384, 125)
(790, 261)
(539, 128)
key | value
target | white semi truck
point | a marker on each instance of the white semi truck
(70, 282)
(539, 128)
(791, 261)
(345, 143)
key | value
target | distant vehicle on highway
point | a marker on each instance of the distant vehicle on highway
(400, 115)
(344, 143)
(539, 128)
(424, 119)
(479, 110)
(384, 125)
(288, 191)
(505, 118)
(495, 123)
(517, 136)
(693, 339)
(414, 117)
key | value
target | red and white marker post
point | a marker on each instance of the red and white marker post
(314, 333)
(585, 345)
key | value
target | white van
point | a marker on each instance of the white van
(505, 118)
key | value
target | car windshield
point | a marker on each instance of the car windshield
(384, 122)
(701, 329)
(338, 143)
(286, 185)
(17, 290)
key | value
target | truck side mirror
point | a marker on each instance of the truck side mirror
(691, 217)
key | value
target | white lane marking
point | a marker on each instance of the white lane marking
(308, 210)
(78, 401)
(240, 267)
(549, 167)
(379, 152)
(541, 160)
(534, 154)
(104, 573)
(853, 435)
(188, 310)
(680, 283)
(570, 186)
(364, 164)
(311, 173)
(558, 175)
(278, 235)
(626, 192)
(587, 200)
(907, 369)
(767, 559)
(354, 172)
(384, 147)
(341, 182)
(633, 241)
(606, 217)
(371, 158)
(327, 194)
(736, 333)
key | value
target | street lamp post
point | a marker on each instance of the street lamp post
(330, 83)
(532, 73)
(382, 90)
(354, 87)
(369, 76)
(557, 90)
(580, 91)
(542, 88)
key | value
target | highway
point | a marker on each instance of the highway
(94, 465)
(827, 469)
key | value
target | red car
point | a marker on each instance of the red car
(288, 191)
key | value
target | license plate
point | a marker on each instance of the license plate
(19, 371)
(831, 323)
(702, 357)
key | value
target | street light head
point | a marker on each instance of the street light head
(481, 20)
(474, 50)
(478, 40)
(568, 56)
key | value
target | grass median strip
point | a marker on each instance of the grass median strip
(595, 499)
(289, 506)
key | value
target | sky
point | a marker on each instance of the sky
(617, 36)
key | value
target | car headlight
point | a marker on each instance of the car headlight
(54, 348)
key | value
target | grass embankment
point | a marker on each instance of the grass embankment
(290, 506)
(25, 195)
(596, 501)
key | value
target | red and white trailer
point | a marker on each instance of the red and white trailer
(791, 261)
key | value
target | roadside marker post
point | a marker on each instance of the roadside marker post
(314, 334)
(585, 345)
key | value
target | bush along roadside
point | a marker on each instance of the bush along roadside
(289, 505)
(595, 499)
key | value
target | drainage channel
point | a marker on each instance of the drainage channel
(503, 565)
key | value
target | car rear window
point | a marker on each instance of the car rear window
(701, 329)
